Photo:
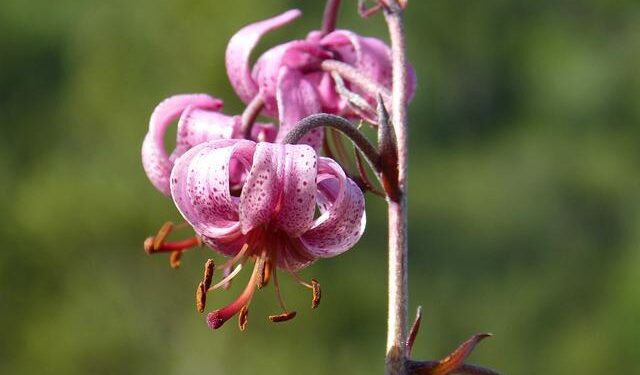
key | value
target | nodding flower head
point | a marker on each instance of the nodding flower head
(370, 56)
(270, 216)
(199, 120)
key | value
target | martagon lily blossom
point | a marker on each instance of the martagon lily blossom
(272, 219)
(298, 64)
(199, 120)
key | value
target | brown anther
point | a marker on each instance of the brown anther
(209, 267)
(288, 315)
(163, 232)
(315, 286)
(260, 265)
(266, 274)
(148, 245)
(243, 318)
(174, 259)
(201, 297)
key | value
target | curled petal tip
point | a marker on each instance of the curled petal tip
(239, 50)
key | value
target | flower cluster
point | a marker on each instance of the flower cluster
(244, 192)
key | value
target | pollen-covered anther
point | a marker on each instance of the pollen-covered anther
(266, 273)
(174, 259)
(148, 245)
(243, 318)
(317, 293)
(285, 316)
(260, 268)
(209, 267)
(201, 297)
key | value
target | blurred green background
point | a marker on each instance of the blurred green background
(525, 203)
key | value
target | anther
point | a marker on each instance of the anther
(209, 267)
(174, 259)
(164, 231)
(201, 297)
(243, 318)
(148, 245)
(266, 274)
(317, 293)
(260, 266)
(287, 315)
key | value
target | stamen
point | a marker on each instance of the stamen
(209, 267)
(217, 318)
(266, 275)
(148, 245)
(260, 264)
(235, 259)
(172, 246)
(227, 278)
(282, 317)
(201, 297)
(276, 287)
(174, 260)
(315, 300)
(162, 234)
(243, 317)
(299, 279)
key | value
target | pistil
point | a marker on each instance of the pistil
(217, 318)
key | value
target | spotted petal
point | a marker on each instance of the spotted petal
(155, 160)
(198, 126)
(297, 99)
(343, 219)
(300, 55)
(239, 50)
(371, 56)
(200, 190)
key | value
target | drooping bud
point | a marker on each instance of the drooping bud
(388, 149)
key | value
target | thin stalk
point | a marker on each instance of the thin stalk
(398, 242)
(249, 116)
(330, 16)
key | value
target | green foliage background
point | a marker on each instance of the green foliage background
(525, 204)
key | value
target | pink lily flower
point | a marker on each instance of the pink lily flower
(299, 62)
(199, 121)
(272, 218)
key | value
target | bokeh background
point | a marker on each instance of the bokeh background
(525, 203)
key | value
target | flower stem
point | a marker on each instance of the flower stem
(319, 120)
(398, 242)
(330, 16)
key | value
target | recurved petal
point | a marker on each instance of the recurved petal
(261, 191)
(297, 98)
(343, 219)
(239, 50)
(300, 55)
(155, 159)
(298, 201)
(197, 126)
(200, 190)
(370, 55)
